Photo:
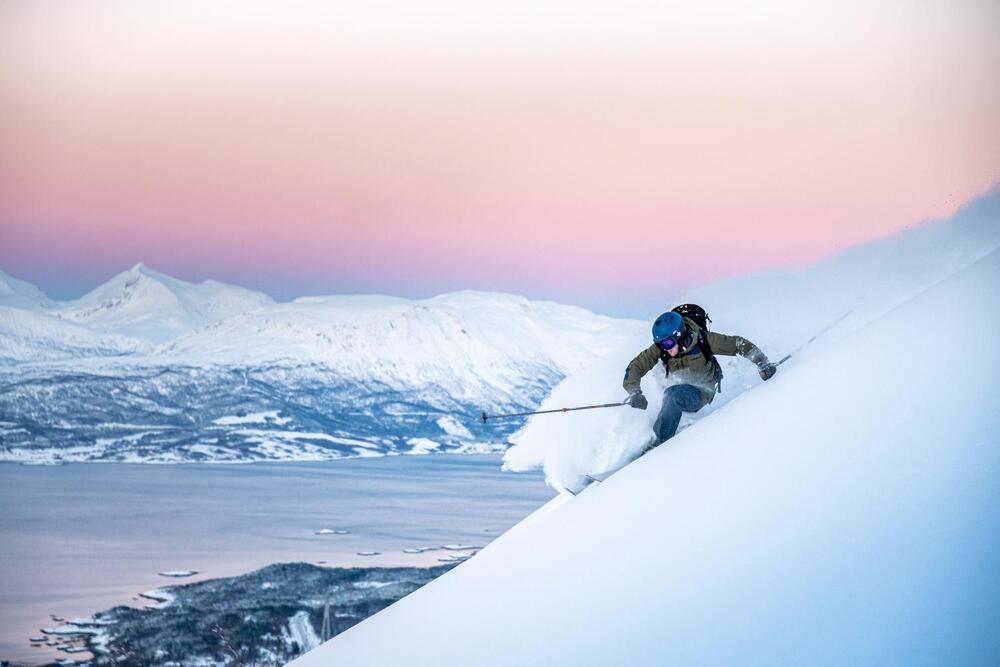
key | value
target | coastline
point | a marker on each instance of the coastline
(88, 538)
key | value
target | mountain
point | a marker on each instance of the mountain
(31, 335)
(844, 512)
(22, 294)
(155, 307)
(315, 379)
(484, 347)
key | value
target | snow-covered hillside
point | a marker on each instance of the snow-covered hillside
(318, 378)
(31, 334)
(783, 309)
(781, 312)
(843, 513)
(153, 306)
(21, 294)
(474, 346)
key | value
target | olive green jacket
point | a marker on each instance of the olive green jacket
(692, 367)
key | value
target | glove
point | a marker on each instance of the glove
(767, 370)
(637, 400)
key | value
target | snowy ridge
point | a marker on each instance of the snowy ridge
(156, 307)
(493, 343)
(783, 309)
(22, 294)
(844, 512)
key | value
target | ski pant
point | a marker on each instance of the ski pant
(677, 398)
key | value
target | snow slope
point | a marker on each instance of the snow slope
(21, 294)
(845, 512)
(780, 311)
(31, 335)
(153, 306)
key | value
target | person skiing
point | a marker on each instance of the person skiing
(687, 351)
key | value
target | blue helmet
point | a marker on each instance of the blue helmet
(668, 325)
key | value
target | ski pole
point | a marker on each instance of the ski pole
(543, 412)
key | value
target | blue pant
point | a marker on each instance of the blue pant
(677, 398)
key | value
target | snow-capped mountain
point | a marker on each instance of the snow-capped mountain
(843, 513)
(153, 306)
(474, 346)
(318, 378)
(22, 294)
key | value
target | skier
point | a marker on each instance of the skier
(687, 351)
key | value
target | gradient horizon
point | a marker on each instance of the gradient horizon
(596, 154)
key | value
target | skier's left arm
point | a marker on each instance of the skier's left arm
(731, 346)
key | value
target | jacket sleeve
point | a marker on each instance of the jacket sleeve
(735, 345)
(643, 362)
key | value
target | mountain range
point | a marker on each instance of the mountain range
(149, 368)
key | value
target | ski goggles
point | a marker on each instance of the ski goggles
(667, 344)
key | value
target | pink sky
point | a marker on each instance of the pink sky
(595, 153)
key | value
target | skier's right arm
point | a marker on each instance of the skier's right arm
(643, 362)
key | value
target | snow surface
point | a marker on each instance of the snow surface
(845, 512)
(268, 417)
(31, 335)
(780, 312)
(301, 631)
(22, 294)
(163, 597)
(424, 446)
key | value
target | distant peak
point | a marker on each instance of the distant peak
(140, 269)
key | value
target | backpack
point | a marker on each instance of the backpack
(694, 312)
(698, 315)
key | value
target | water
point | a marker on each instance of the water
(77, 539)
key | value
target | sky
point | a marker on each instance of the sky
(599, 153)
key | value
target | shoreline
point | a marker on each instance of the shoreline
(113, 631)
(84, 635)
(76, 544)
